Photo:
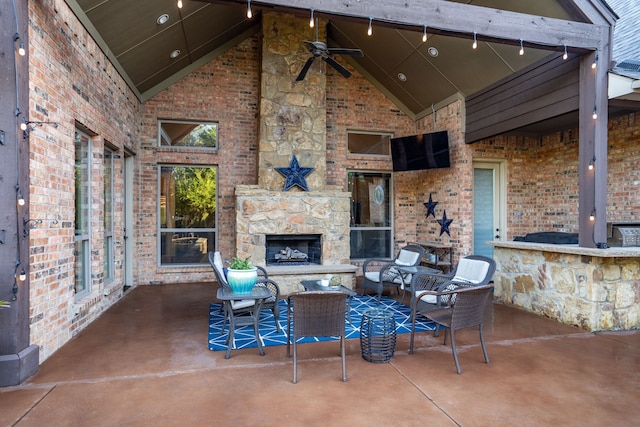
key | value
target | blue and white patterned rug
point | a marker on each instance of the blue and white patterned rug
(245, 338)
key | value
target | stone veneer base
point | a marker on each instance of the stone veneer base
(289, 277)
(593, 289)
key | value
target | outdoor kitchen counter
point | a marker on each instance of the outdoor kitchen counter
(611, 252)
(594, 289)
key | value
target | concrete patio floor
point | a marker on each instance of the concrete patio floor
(145, 362)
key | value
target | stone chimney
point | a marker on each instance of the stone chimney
(293, 122)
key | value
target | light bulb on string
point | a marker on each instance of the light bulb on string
(595, 62)
(370, 29)
(521, 48)
(311, 20)
(249, 13)
(595, 112)
(179, 4)
(424, 34)
(475, 40)
(592, 217)
(565, 55)
(21, 50)
(592, 163)
(23, 124)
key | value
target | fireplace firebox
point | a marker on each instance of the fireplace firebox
(293, 249)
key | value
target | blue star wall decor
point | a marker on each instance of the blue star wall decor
(295, 175)
(431, 207)
(444, 224)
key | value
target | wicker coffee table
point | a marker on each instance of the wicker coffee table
(314, 285)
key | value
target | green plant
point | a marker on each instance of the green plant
(241, 264)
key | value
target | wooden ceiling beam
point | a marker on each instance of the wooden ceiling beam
(457, 18)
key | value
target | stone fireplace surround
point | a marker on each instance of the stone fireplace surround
(262, 212)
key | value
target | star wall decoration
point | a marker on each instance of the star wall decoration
(295, 175)
(431, 207)
(444, 224)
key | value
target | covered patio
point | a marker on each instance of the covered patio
(145, 362)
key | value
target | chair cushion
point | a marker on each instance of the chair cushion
(406, 257)
(471, 271)
(374, 276)
(217, 264)
(244, 303)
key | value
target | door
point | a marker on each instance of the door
(128, 221)
(489, 205)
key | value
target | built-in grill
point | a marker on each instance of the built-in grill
(624, 235)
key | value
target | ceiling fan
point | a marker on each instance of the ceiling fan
(319, 49)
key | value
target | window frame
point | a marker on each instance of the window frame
(161, 231)
(82, 237)
(109, 208)
(372, 155)
(162, 133)
(390, 228)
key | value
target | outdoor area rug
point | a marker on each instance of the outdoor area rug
(245, 338)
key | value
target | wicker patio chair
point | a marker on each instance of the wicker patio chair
(467, 310)
(241, 307)
(472, 270)
(316, 314)
(380, 272)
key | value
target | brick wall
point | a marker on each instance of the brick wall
(71, 82)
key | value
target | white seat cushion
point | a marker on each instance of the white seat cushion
(235, 305)
(217, 264)
(428, 298)
(471, 271)
(406, 257)
(374, 276)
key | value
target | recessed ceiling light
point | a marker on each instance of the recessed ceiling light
(175, 53)
(433, 51)
(162, 19)
(402, 77)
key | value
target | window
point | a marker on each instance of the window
(378, 144)
(82, 268)
(187, 134)
(109, 156)
(187, 213)
(371, 214)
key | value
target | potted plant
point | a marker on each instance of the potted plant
(242, 275)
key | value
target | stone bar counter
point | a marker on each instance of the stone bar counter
(593, 289)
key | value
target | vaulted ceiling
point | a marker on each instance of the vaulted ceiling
(417, 75)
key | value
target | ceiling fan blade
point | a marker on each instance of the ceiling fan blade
(339, 68)
(349, 52)
(304, 70)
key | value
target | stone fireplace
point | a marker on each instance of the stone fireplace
(293, 122)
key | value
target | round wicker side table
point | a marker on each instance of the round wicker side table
(377, 335)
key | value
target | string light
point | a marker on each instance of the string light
(249, 13)
(521, 48)
(21, 201)
(21, 50)
(179, 4)
(311, 20)
(592, 217)
(23, 124)
(595, 61)
(595, 112)
(592, 163)
(370, 29)
(424, 34)
(565, 55)
(475, 40)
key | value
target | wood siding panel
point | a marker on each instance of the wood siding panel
(548, 89)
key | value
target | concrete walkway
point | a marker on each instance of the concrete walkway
(145, 363)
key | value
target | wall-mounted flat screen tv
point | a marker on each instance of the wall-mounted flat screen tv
(419, 152)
